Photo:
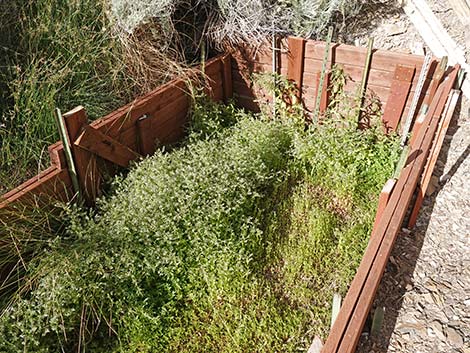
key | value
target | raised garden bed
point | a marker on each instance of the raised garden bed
(162, 115)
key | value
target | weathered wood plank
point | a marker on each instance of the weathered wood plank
(394, 215)
(227, 77)
(436, 36)
(88, 173)
(383, 201)
(434, 154)
(105, 147)
(295, 65)
(355, 56)
(49, 182)
(355, 291)
(57, 155)
(436, 80)
(399, 91)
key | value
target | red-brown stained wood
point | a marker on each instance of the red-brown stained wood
(89, 176)
(139, 134)
(354, 293)
(154, 130)
(57, 155)
(394, 215)
(340, 326)
(119, 125)
(105, 147)
(396, 103)
(214, 86)
(324, 99)
(434, 154)
(49, 182)
(295, 64)
(248, 103)
(383, 201)
(354, 73)
(348, 54)
(364, 303)
(146, 140)
(127, 116)
(242, 83)
(166, 127)
(436, 79)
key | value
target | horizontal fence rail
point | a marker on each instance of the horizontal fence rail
(118, 138)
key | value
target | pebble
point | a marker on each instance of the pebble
(454, 337)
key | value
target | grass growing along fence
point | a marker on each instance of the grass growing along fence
(63, 54)
(234, 242)
(54, 53)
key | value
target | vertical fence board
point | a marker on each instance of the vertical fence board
(434, 154)
(295, 63)
(89, 175)
(399, 91)
(393, 217)
(227, 77)
(383, 201)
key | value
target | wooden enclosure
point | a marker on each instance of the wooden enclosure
(131, 131)
(159, 118)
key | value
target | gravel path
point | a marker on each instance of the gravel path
(425, 291)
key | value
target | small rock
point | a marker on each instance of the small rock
(316, 345)
(393, 29)
(437, 328)
(444, 178)
(454, 337)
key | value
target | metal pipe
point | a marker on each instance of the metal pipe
(316, 111)
(365, 75)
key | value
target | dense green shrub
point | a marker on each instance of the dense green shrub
(234, 242)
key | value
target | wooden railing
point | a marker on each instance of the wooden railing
(393, 78)
(114, 140)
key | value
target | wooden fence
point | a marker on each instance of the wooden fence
(393, 78)
(161, 115)
(116, 139)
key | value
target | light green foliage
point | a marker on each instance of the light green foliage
(52, 54)
(234, 242)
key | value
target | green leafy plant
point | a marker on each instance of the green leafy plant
(233, 242)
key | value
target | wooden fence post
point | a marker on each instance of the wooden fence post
(88, 173)
(433, 155)
(399, 91)
(383, 201)
(295, 63)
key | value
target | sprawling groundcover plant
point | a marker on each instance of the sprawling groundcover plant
(233, 242)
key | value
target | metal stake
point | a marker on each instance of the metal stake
(68, 153)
